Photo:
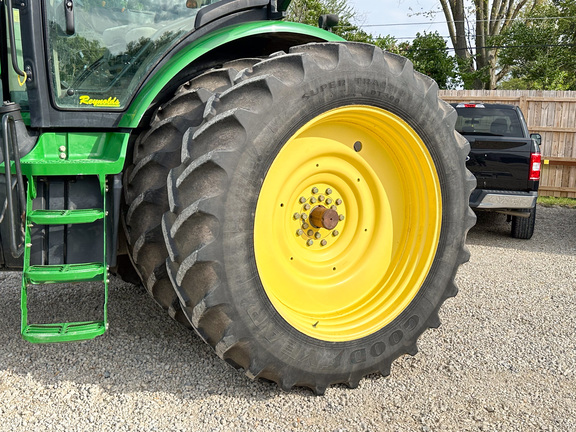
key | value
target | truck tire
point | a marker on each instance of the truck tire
(156, 151)
(319, 215)
(523, 228)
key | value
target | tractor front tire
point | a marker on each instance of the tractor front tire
(319, 215)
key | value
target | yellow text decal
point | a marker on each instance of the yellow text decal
(110, 102)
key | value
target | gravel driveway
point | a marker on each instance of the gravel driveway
(503, 360)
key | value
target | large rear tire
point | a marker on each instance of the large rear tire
(319, 215)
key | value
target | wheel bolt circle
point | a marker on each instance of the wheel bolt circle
(320, 217)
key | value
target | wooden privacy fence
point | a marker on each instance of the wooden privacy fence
(552, 114)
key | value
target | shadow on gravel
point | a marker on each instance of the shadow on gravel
(554, 232)
(143, 350)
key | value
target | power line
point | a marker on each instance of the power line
(460, 21)
(497, 47)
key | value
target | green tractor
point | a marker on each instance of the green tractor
(301, 202)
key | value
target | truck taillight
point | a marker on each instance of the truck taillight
(535, 165)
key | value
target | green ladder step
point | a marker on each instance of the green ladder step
(65, 217)
(63, 332)
(85, 272)
(62, 273)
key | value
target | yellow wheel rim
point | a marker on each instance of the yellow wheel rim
(369, 171)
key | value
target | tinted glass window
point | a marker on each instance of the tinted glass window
(17, 85)
(488, 121)
(115, 44)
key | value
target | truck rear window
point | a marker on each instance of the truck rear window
(488, 121)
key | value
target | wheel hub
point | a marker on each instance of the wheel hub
(317, 213)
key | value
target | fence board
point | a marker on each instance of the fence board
(552, 114)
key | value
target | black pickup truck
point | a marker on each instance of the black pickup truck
(506, 161)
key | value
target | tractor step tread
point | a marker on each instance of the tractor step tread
(83, 272)
(65, 217)
(95, 270)
(63, 332)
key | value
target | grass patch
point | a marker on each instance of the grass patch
(557, 201)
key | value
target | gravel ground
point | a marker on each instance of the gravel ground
(503, 360)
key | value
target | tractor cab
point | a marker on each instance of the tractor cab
(73, 57)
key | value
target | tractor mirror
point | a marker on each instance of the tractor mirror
(328, 21)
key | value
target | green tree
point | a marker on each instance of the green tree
(308, 12)
(429, 54)
(538, 51)
(477, 59)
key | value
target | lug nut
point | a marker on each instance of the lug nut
(321, 198)
(62, 149)
(296, 215)
(341, 217)
(328, 201)
(328, 191)
(310, 242)
(302, 200)
(334, 208)
(310, 233)
(323, 242)
(335, 233)
(299, 232)
(62, 155)
(318, 235)
(314, 190)
(304, 216)
(306, 206)
(313, 200)
(305, 226)
(338, 201)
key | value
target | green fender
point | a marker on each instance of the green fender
(205, 44)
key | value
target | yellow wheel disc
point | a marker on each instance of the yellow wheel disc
(347, 223)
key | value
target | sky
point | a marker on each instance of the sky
(383, 17)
